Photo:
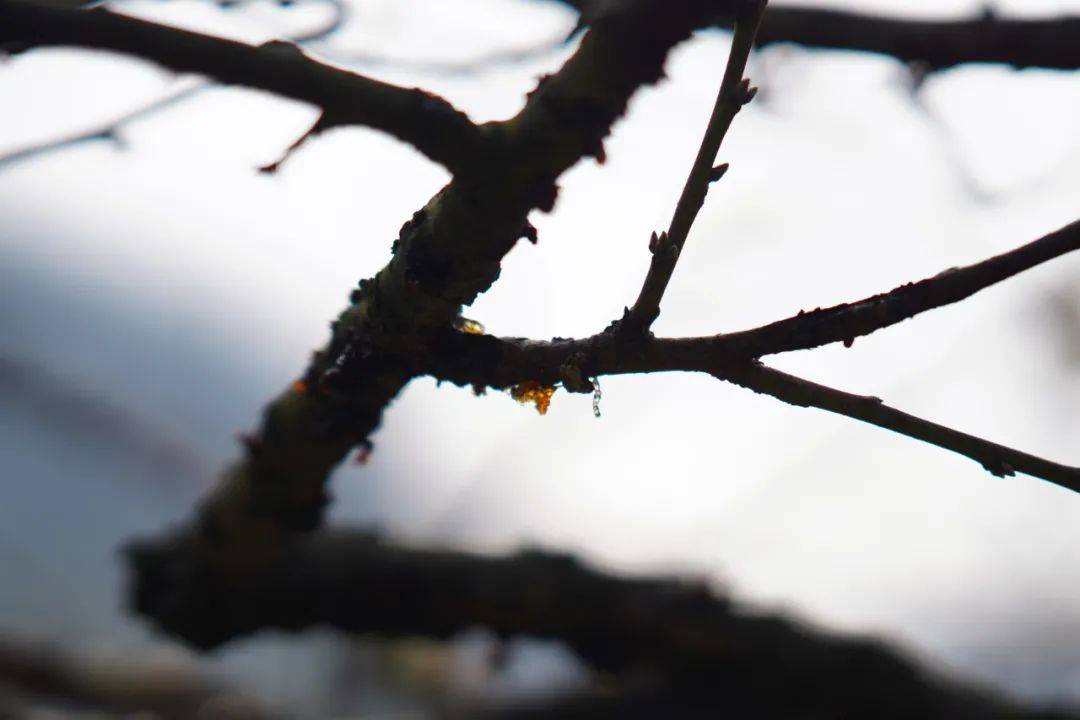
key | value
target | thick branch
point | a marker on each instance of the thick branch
(933, 44)
(733, 94)
(674, 634)
(419, 118)
(444, 257)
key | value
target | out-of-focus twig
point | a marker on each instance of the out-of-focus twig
(110, 131)
(169, 688)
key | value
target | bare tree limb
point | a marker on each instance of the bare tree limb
(503, 362)
(606, 355)
(244, 562)
(845, 322)
(733, 94)
(996, 459)
(1052, 42)
(427, 122)
(671, 636)
(933, 44)
(488, 361)
(444, 257)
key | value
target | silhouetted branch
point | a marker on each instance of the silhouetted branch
(419, 118)
(845, 322)
(502, 362)
(996, 459)
(444, 257)
(321, 124)
(934, 44)
(672, 638)
(505, 362)
(733, 94)
(244, 562)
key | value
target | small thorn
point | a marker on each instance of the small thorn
(718, 172)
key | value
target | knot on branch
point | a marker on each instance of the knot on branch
(572, 376)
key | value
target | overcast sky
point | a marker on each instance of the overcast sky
(177, 286)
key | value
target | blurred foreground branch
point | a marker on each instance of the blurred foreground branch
(113, 683)
(673, 647)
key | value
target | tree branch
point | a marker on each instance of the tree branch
(933, 44)
(996, 459)
(503, 362)
(733, 94)
(688, 644)
(444, 257)
(426, 121)
(847, 321)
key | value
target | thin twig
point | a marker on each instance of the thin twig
(997, 459)
(734, 93)
(110, 131)
(847, 321)
(321, 124)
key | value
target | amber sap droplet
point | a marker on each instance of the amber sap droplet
(469, 327)
(532, 391)
(299, 386)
